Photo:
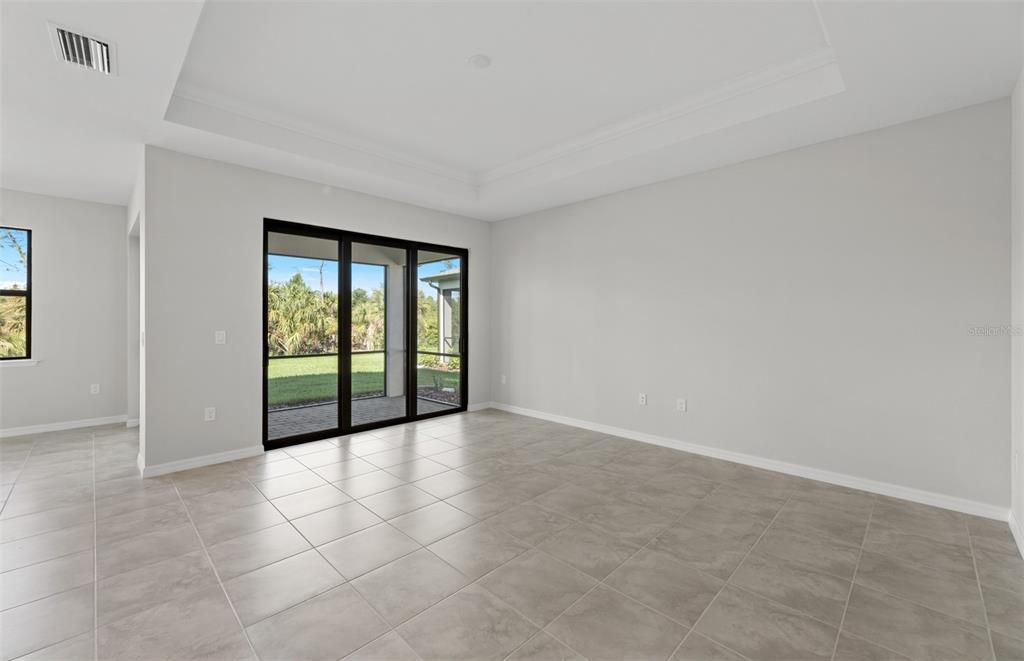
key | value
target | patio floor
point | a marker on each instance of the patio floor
(305, 419)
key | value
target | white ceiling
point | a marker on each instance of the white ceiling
(582, 99)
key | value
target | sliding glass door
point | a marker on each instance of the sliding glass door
(359, 332)
(377, 321)
(438, 331)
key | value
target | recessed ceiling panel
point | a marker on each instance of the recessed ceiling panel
(404, 78)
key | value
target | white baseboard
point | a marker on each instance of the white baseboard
(1018, 533)
(198, 462)
(61, 426)
(481, 406)
(131, 422)
(883, 488)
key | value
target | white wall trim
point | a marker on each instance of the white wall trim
(1018, 533)
(61, 426)
(131, 422)
(975, 508)
(481, 406)
(198, 462)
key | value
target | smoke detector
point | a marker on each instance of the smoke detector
(82, 50)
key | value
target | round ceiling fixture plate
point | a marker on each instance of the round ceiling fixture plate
(479, 61)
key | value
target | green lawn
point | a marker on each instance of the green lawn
(308, 379)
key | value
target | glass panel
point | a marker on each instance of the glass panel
(13, 259)
(13, 338)
(302, 335)
(378, 333)
(438, 328)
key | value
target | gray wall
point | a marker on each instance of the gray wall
(78, 312)
(203, 271)
(813, 307)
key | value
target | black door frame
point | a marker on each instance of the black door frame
(345, 239)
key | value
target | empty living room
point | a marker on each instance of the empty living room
(509, 330)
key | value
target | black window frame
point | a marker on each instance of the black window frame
(26, 293)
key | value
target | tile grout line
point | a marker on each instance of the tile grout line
(213, 567)
(726, 583)
(345, 580)
(14, 484)
(853, 581)
(981, 590)
(601, 582)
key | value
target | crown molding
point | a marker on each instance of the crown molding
(214, 102)
(749, 97)
(373, 167)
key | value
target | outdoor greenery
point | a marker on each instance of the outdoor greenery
(308, 379)
(13, 309)
(303, 325)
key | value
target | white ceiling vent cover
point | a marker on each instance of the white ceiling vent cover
(83, 50)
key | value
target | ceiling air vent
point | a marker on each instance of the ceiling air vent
(82, 50)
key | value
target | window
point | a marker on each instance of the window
(15, 293)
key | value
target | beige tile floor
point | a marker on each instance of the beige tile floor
(482, 536)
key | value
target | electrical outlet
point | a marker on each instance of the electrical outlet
(209, 414)
(681, 405)
(642, 400)
(94, 389)
(504, 379)
(220, 337)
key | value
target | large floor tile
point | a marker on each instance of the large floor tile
(143, 550)
(478, 549)
(607, 625)
(199, 627)
(16, 528)
(42, 623)
(140, 522)
(530, 523)
(285, 485)
(1005, 611)
(409, 585)
(945, 592)
(913, 630)
(852, 648)
(919, 550)
(43, 579)
(389, 647)
(1007, 648)
(698, 648)
(718, 553)
(271, 589)
(244, 554)
(335, 522)
(368, 484)
(793, 584)
(761, 629)
(148, 586)
(1001, 570)
(538, 586)
(310, 501)
(668, 586)
(325, 628)
(239, 522)
(433, 522)
(588, 550)
(46, 546)
(486, 500)
(542, 647)
(471, 625)
(816, 551)
(447, 484)
(366, 550)
(397, 501)
(79, 648)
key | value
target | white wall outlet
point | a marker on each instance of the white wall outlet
(681, 405)
(209, 414)
(642, 399)
(94, 389)
(220, 337)
(504, 379)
